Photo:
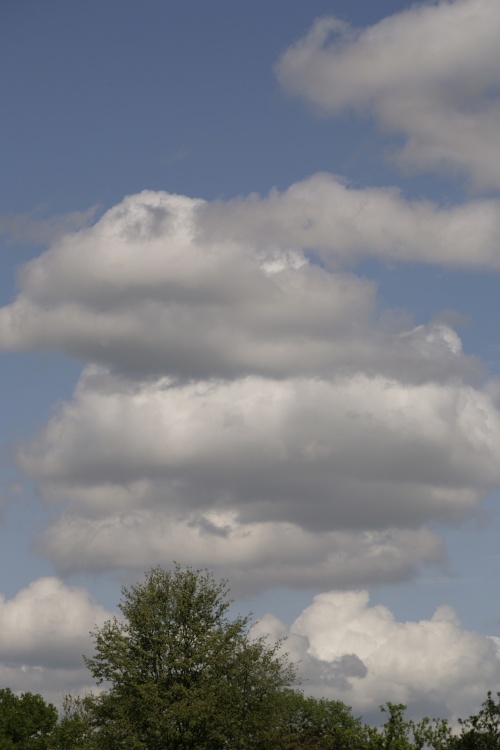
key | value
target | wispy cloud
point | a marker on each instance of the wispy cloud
(429, 73)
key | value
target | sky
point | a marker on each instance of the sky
(249, 322)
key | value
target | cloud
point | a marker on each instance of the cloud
(349, 444)
(429, 73)
(249, 390)
(166, 284)
(254, 556)
(235, 473)
(360, 654)
(47, 624)
(342, 224)
(44, 630)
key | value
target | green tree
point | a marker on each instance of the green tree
(26, 721)
(319, 724)
(395, 733)
(399, 733)
(76, 728)
(482, 730)
(181, 674)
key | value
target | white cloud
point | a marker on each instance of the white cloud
(430, 73)
(360, 654)
(343, 223)
(366, 451)
(248, 393)
(326, 421)
(166, 284)
(44, 630)
(47, 624)
(234, 474)
(254, 556)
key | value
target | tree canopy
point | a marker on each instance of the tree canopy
(26, 721)
(482, 730)
(181, 673)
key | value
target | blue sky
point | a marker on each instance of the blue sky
(299, 388)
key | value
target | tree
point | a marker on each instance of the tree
(399, 733)
(26, 721)
(319, 724)
(76, 727)
(181, 674)
(482, 730)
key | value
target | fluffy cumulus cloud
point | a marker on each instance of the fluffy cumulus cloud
(165, 284)
(280, 478)
(362, 655)
(248, 407)
(44, 630)
(254, 555)
(341, 223)
(366, 451)
(430, 73)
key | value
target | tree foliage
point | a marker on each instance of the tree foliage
(319, 724)
(26, 721)
(482, 730)
(181, 674)
(399, 733)
(76, 728)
